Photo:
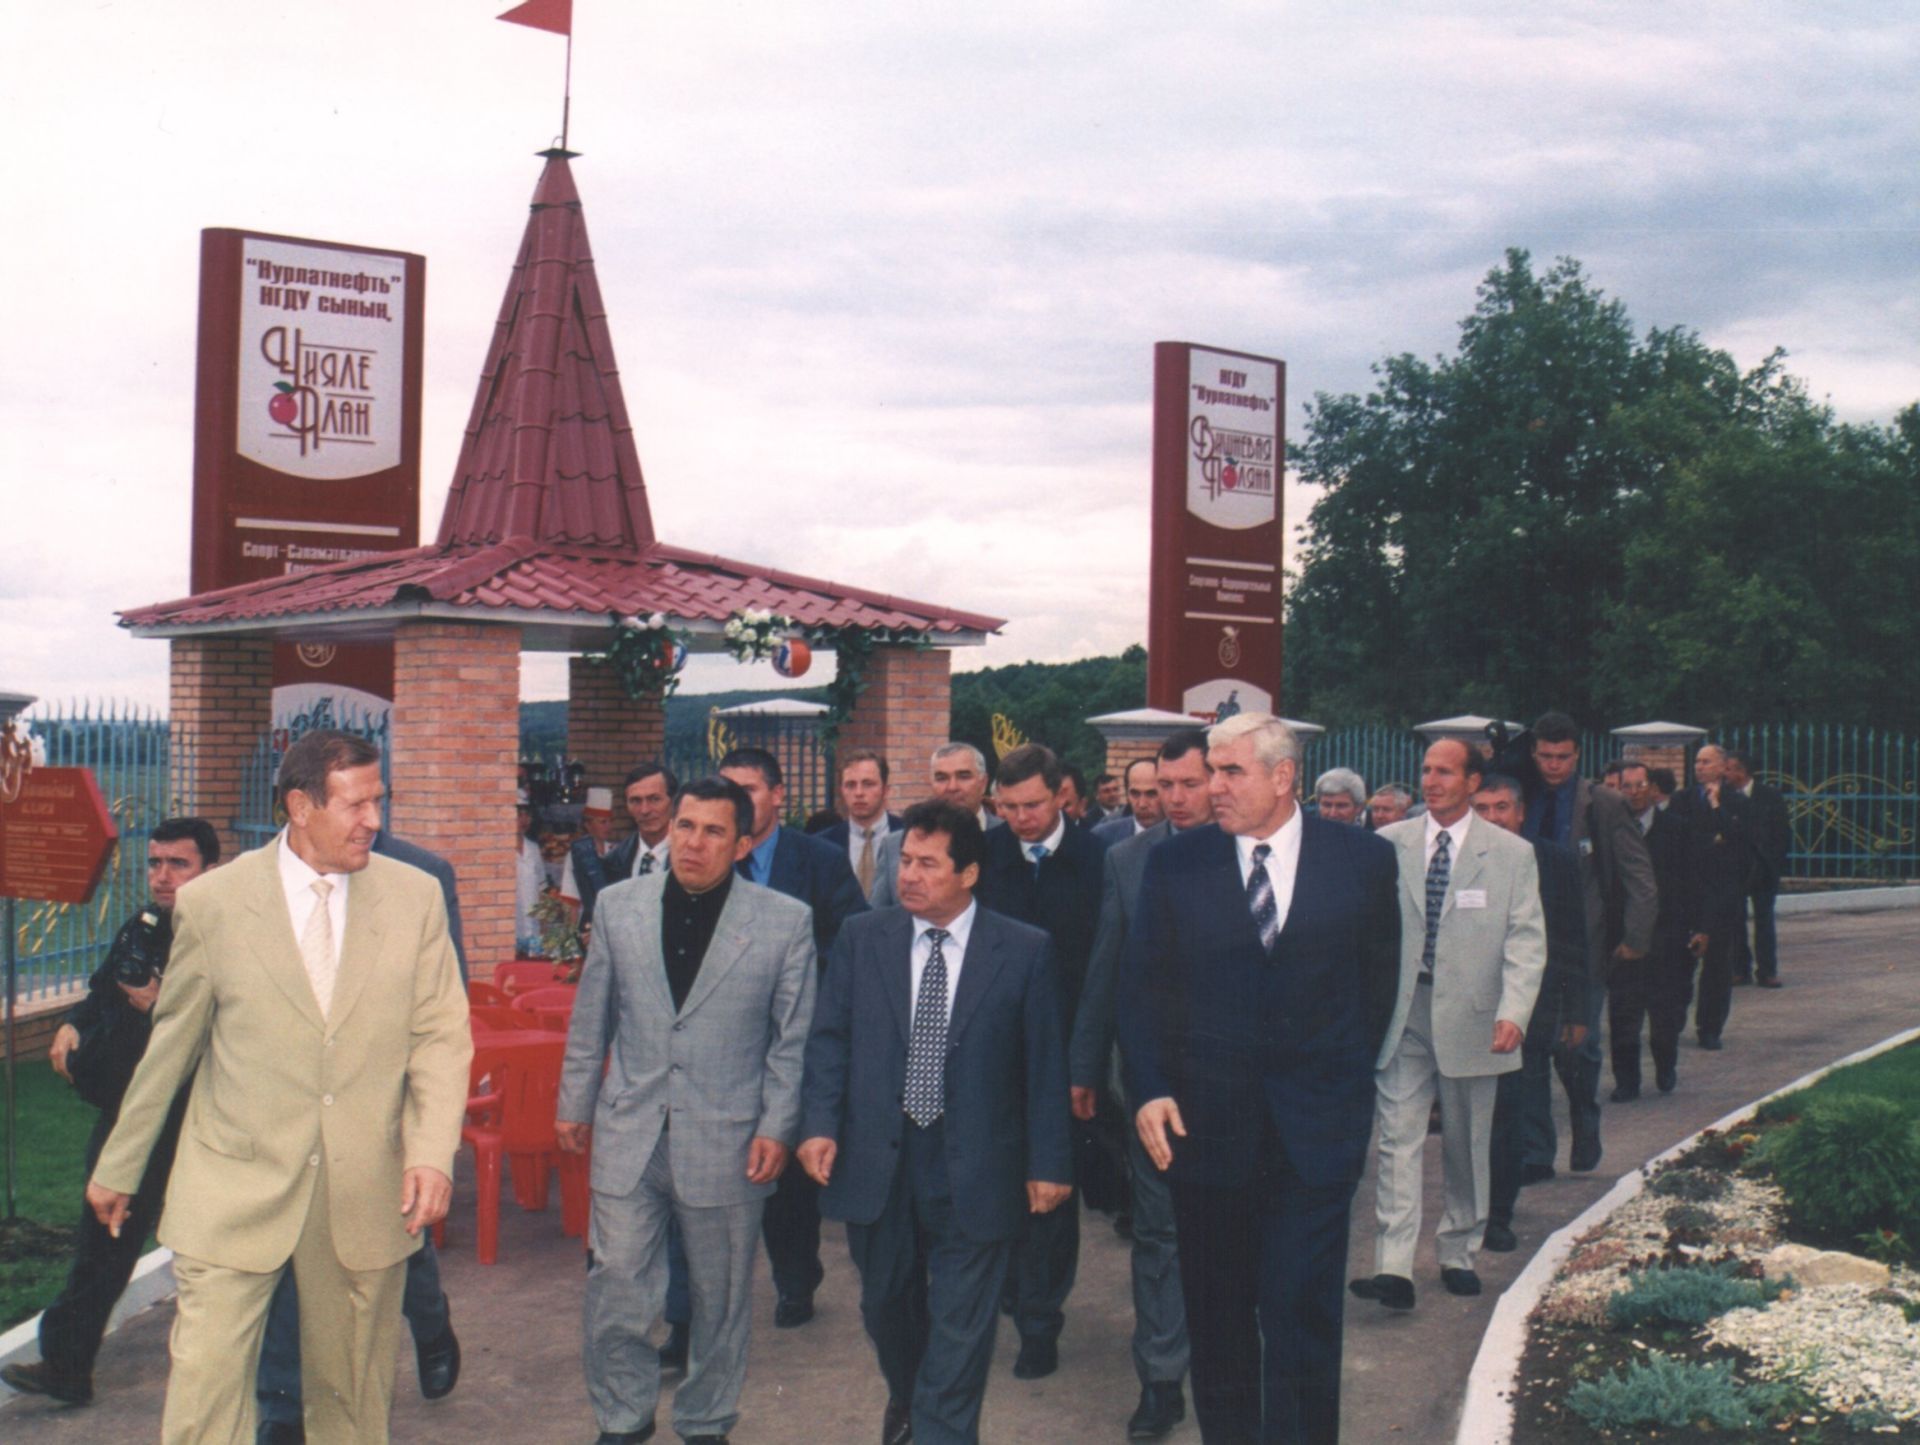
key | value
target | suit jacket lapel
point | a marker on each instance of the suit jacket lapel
(1306, 876)
(653, 959)
(365, 925)
(896, 972)
(977, 971)
(280, 958)
(1413, 866)
(1224, 892)
(732, 933)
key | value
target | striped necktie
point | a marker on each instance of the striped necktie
(1260, 899)
(1438, 871)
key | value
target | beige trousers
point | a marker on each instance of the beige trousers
(349, 1339)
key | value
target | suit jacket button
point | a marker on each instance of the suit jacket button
(313, 1161)
(327, 1099)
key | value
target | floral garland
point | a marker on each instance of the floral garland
(853, 648)
(648, 654)
(754, 635)
(560, 938)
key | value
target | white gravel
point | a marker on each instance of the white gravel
(1843, 1347)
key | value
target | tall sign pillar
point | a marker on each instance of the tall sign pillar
(1213, 624)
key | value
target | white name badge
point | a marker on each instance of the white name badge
(1470, 898)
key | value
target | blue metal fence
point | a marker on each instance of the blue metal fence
(139, 775)
(1852, 793)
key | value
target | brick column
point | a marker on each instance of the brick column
(904, 715)
(1124, 752)
(454, 754)
(1662, 755)
(220, 701)
(610, 732)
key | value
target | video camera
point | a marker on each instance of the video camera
(139, 952)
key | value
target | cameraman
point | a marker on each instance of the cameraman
(96, 1050)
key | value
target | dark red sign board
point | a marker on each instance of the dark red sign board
(56, 837)
(1214, 600)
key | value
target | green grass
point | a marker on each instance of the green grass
(50, 1163)
(1893, 1075)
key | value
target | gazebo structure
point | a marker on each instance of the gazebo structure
(545, 540)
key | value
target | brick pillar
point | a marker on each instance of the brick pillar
(1663, 755)
(454, 754)
(220, 701)
(1123, 752)
(610, 732)
(904, 715)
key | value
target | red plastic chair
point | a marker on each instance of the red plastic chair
(553, 1006)
(513, 1121)
(482, 992)
(501, 1018)
(525, 973)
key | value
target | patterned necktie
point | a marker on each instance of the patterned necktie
(1266, 912)
(926, 1096)
(865, 871)
(316, 947)
(1036, 851)
(646, 865)
(1438, 871)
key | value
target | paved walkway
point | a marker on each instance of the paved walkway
(1851, 981)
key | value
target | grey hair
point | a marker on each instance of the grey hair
(1396, 790)
(947, 750)
(1343, 780)
(1274, 742)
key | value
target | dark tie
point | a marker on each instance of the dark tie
(646, 866)
(926, 1096)
(1266, 912)
(1438, 871)
(1550, 816)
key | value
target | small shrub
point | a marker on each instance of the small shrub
(1888, 1246)
(1662, 1391)
(1695, 1185)
(1690, 1223)
(1687, 1297)
(1850, 1165)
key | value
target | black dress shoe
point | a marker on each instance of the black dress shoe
(1162, 1406)
(1624, 1093)
(793, 1311)
(40, 1378)
(280, 1432)
(1742, 980)
(1500, 1239)
(673, 1354)
(1460, 1281)
(1710, 1042)
(626, 1437)
(1391, 1290)
(1586, 1152)
(1769, 983)
(1665, 1080)
(897, 1429)
(703, 1440)
(439, 1362)
(1038, 1358)
(1123, 1224)
(1535, 1173)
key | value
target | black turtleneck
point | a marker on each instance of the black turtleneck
(687, 921)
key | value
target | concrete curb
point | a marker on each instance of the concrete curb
(152, 1282)
(1848, 900)
(1486, 1416)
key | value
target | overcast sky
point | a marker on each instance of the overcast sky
(885, 279)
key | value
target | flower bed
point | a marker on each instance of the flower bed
(1719, 1303)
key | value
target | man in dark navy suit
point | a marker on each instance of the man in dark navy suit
(1045, 870)
(648, 796)
(807, 868)
(862, 833)
(934, 1116)
(1259, 980)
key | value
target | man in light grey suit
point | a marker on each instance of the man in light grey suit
(960, 778)
(1473, 951)
(1160, 1350)
(696, 998)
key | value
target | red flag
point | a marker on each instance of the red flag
(554, 15)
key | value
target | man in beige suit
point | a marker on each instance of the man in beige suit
(1473, 949)
(313, 1000)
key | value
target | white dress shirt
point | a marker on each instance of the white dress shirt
(953, 949)
(297, 878)
(1051, 842)
(1283, 863)
(1456, 832)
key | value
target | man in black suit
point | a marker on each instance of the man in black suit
(863, 832)
(1160, 1352)
(648, 796)
(1717, 833)
(815, 872)
(1559, 1014)
(1769, 838)
(1044, 870)
(934, 1119)
(1260, 976)
(1143, 805)
(1659, 987)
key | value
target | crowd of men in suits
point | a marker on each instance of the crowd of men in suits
(935, 1027)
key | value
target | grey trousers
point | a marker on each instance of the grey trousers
(1159, 1311)
(627, 1288)
(1406, 1090)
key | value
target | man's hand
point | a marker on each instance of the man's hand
(109, 1206)
(573, 1138)
(142, 997)
(1572, 1035)
(816, 1157)
(1697, 945)
(1084, 1102)
(65, 1040)
(765, 1159)
(1507, 1036)
(425, 1194)
(1044, 1198)
(1154, 1121)
(1628, 955)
